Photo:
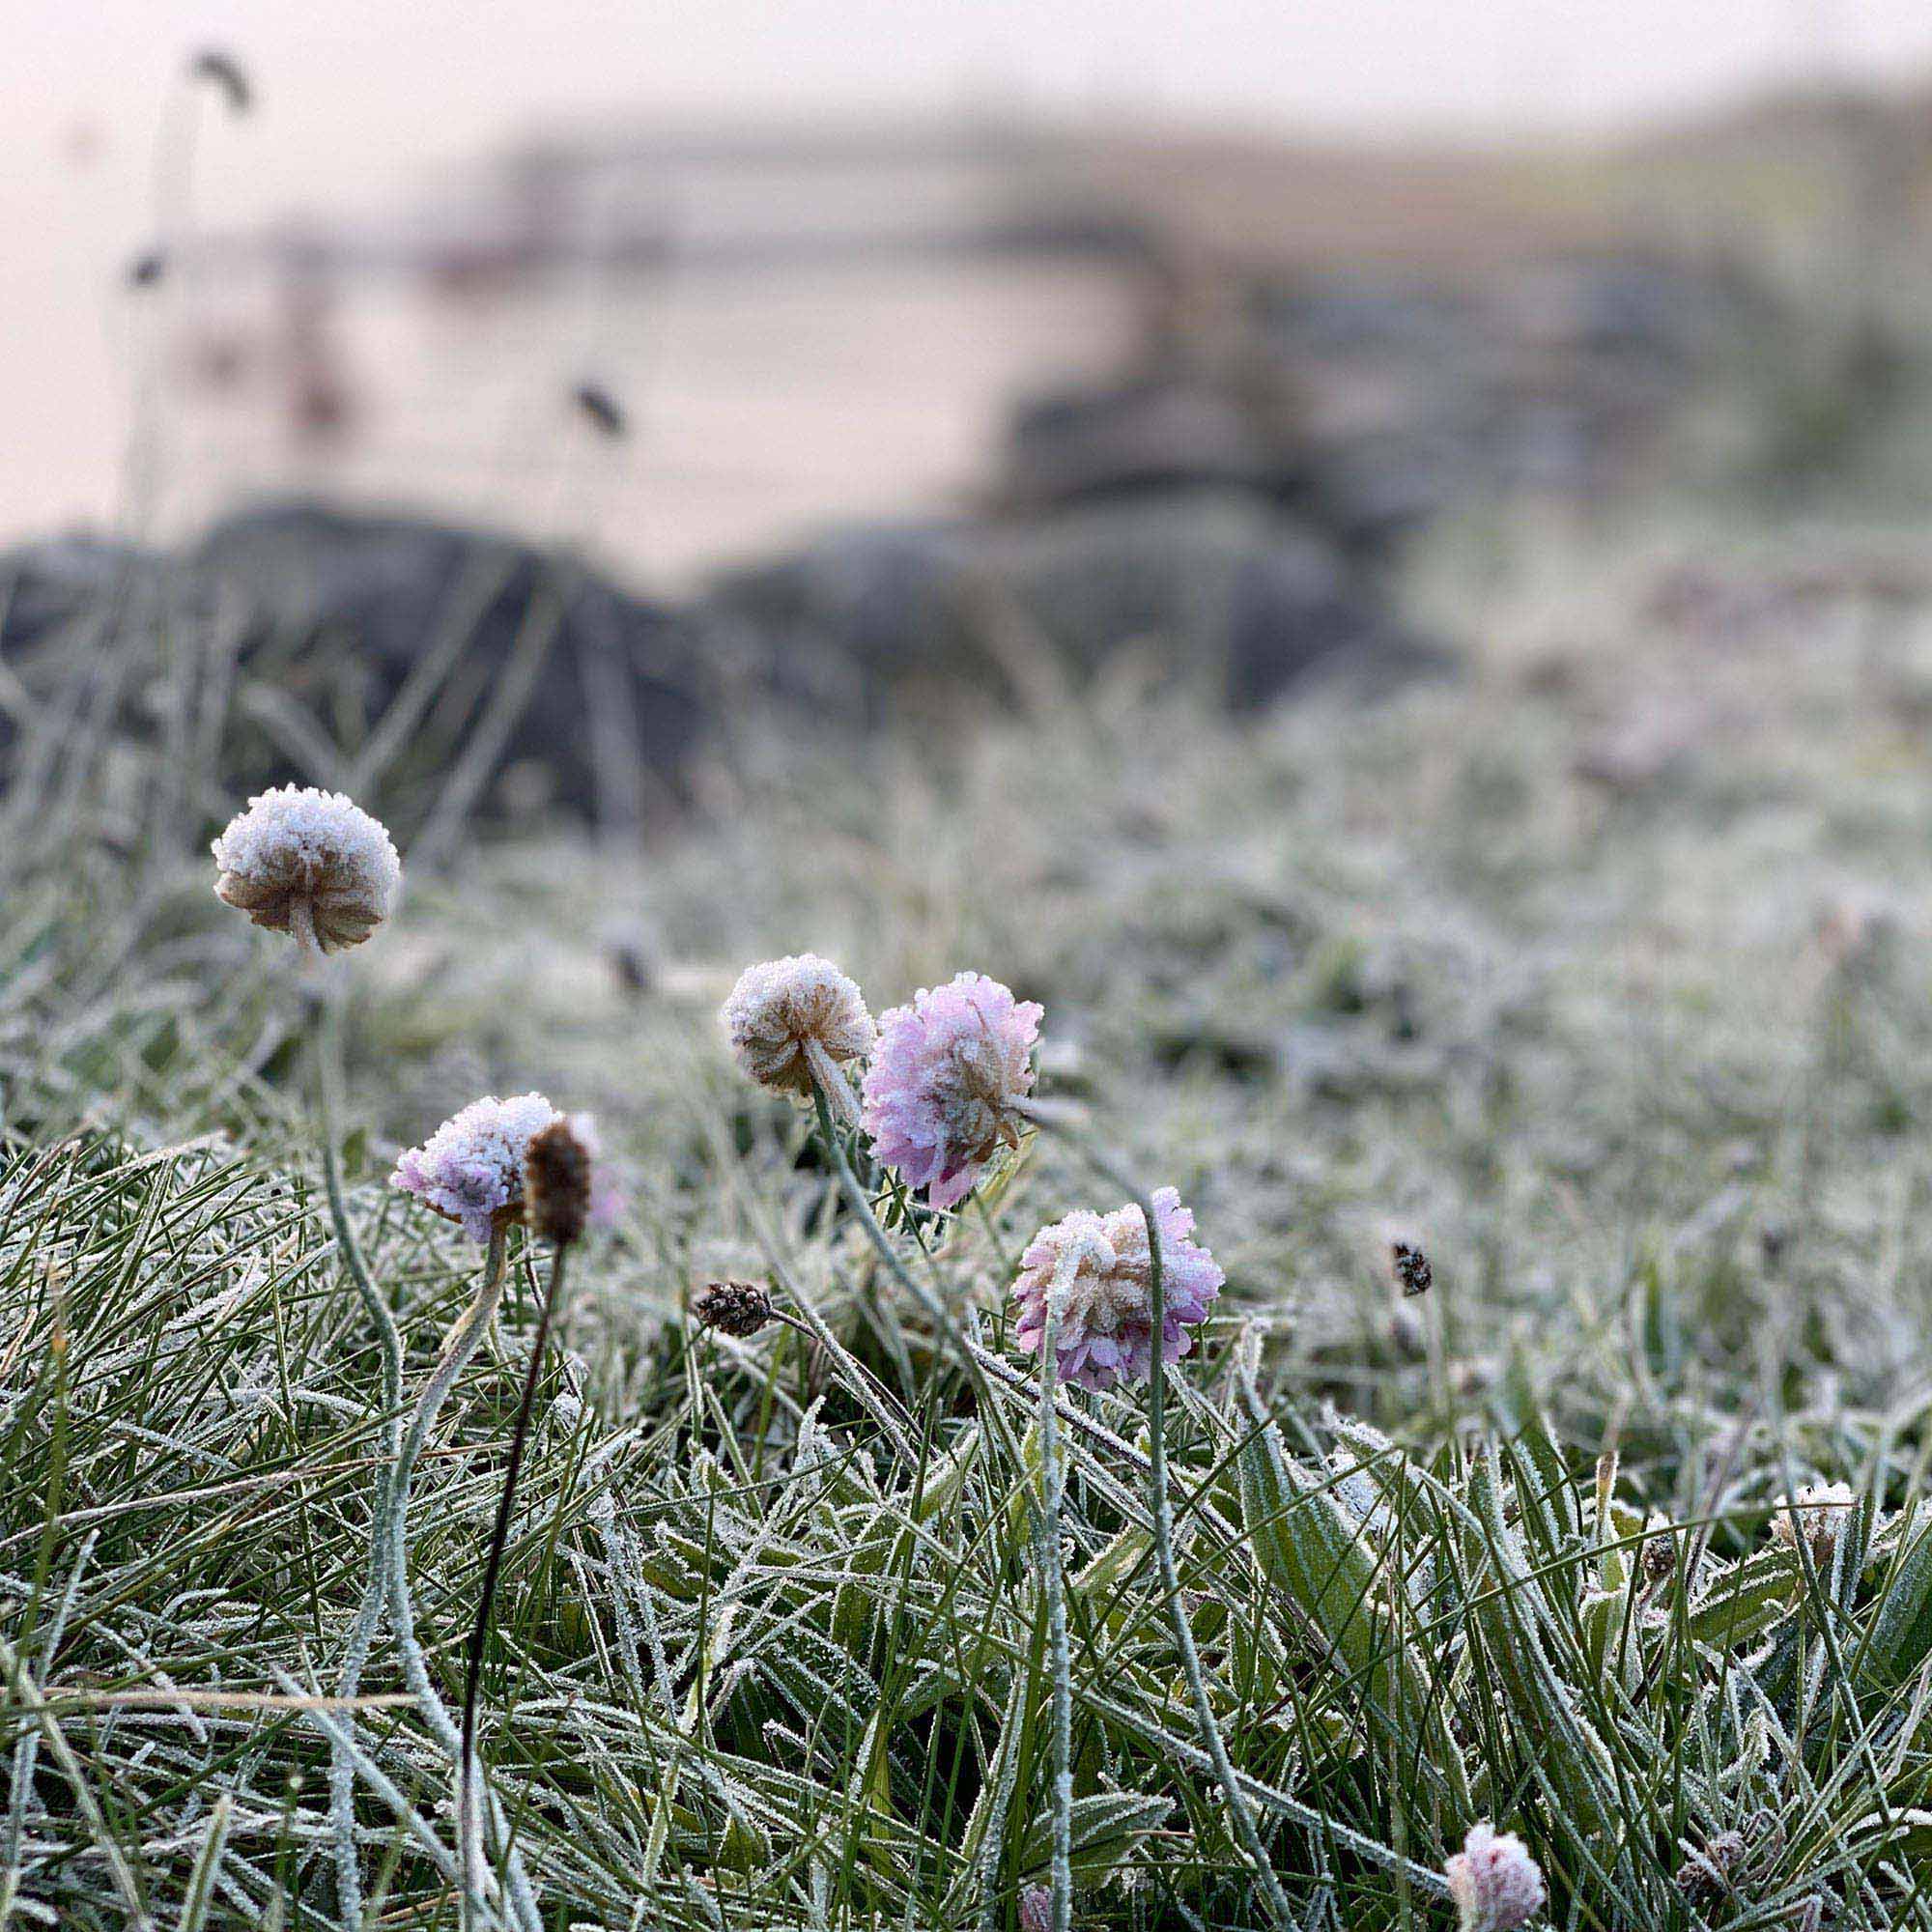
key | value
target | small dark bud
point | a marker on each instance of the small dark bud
(635, 969)
(600, 408)
(147, 269)
(1657, 1556)
(225, 71)
(739, 1308)
(1708, 1875)
(556, 1184)
(1411, 1268)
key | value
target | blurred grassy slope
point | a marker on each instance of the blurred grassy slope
(1616, 933)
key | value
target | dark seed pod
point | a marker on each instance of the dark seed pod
(1411, 1268)
(600, 408)
(739, 1308)
(1708, 1875)
(223, 70)
(556, 1183)
(147, 269)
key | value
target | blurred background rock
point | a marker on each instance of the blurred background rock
(534, 475)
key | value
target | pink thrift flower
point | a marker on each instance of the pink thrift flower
(1494, 1882)
(939, 1095)
(471, 1170)
(1098, 1265)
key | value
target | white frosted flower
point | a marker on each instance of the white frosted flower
(310, 863)
(1819, 1514)
(793, 1022)
(471, 1170)
(1494, 1882)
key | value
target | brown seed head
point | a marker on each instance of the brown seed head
(556, 1183)
(739, 1308)
(1411, 1268)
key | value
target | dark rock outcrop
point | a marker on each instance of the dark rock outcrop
(447, 645)
(1213, 586)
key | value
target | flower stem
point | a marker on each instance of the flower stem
(934, 1305)
(325, 1036)
(499, 1537)
(1064, 1122)
(1053, 1583)
(459, 1346)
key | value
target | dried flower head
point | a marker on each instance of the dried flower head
(223, 70)
(600, 408)
(310, 863)
(739, 1308)
(795, 1020)
(471, 1170)
(1819, 1514)
(1411, 1268)
(1494, 1882)
(1657, 1554)
(941, 1091)
(560, 1181)
(1097, 1268)
(1710, 1874)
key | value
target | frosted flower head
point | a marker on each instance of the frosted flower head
(1494, 1882)
(471, 1170)
(790, 1019)
(941, 1090)
(310, 862)
(1037, 1909)
(1819, 1514)
(1097, 1265)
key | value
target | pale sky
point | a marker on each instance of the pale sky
(361, 99)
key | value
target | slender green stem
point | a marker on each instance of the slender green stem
(933, 1303)
(325, 1035)
(855, 1197)
(1161, 1513)
(499, 1536)
(463, 1340)
(878, 1401)
(1058, 1655)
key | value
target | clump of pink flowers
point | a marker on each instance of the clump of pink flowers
(1098, 1268)
(471, 1170)
(1496, 1885)
(942, 1093)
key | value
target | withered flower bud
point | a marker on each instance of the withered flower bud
(600, 408)
(557, 1172)
(1411, 1268)
(223, 70)
(738, 1308)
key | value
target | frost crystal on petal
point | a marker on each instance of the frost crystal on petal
(302, 858)
(471, 1170)
(940, 1093)
(1494, 1882)
(1100, 1263)
(791, 1017)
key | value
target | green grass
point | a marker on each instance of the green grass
(1645, 1065)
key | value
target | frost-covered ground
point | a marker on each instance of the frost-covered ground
(1598, 971)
